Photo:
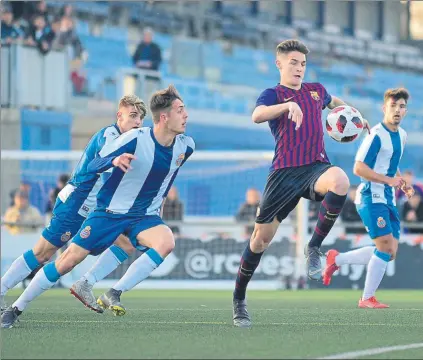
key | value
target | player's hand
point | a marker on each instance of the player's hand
(396, 181)
(407, 190)
(366, 125)
(123, 162)
(295, 114)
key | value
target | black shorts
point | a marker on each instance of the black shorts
(284, 189)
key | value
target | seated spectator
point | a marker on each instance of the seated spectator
(148, 54)
(173, 208)
(413, 213)
(22, 217)
(24, 187)
(67, 10)
(409, 178)
(349, 214)
(248, 210)
(60, 184)
(9, 32)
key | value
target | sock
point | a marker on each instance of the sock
(329, 211)
(139, 270)
(42, 281)
(375, 271)
(18, 271)
(359, 256)
(248, 264)
(105, 264)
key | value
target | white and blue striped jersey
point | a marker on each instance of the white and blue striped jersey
(381, 151)
(84, 183)
(142, 189)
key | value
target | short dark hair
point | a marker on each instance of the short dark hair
(287, 46)
(396, 94)
(162, 100)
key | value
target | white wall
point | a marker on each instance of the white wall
(336, 13)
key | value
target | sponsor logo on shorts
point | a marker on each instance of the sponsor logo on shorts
(315, 95)
(258, 211)
(66, 236)
(179, 160)
(381, 222)
(86, 232)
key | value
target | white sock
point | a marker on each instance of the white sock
(36, 287)
(375, 271)
(17, 272)
(105, 264)
(139, 270)
(359, 256)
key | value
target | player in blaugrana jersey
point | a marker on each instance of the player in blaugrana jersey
(377, 163)
(145, 163)
(77, 199)
(300, 167)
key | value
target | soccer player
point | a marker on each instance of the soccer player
(300, 168)
(76, 200)
(145, 163)
(377, 162)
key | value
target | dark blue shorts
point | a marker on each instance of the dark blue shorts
(285, 187)
(100, 230)
(380, 219)
(65, 221)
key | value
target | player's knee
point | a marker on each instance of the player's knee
(340, 184)
(165, 245)
(70, 258)
(260, 240)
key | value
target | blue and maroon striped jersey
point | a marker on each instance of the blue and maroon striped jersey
(305, 145)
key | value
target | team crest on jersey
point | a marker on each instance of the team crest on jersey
(315, 95)
(86, 232)
(66, 236)
(381, 222)
(179, 160)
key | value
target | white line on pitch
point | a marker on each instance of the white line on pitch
(375, 351)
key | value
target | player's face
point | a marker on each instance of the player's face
(128, 117)
(176, 118)
(394, 110)
(292, 67)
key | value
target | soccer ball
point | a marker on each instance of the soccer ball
(344, 123)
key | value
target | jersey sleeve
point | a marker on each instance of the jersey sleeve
(327, 98)
(268, 98)
(126, 143)
(368, 150)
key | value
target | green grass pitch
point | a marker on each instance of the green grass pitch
(198, 324)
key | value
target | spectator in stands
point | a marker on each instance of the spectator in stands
(9, 32)
(313, 210)
(67, 36)
(413, 213)
(41, 10)
(67, 10)
(40, 35)
(24, 187)
(148, 54)
(173, 208)
(350, 215)
(248, 210)
(60, 184)
(22, 217)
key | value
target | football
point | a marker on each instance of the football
(344, 123)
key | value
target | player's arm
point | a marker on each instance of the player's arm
(365, 160)
(118, 153)
(267, 108)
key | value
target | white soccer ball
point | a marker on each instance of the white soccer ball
(344, 123)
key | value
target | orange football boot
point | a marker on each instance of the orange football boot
(331, 266)
(371, 303)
